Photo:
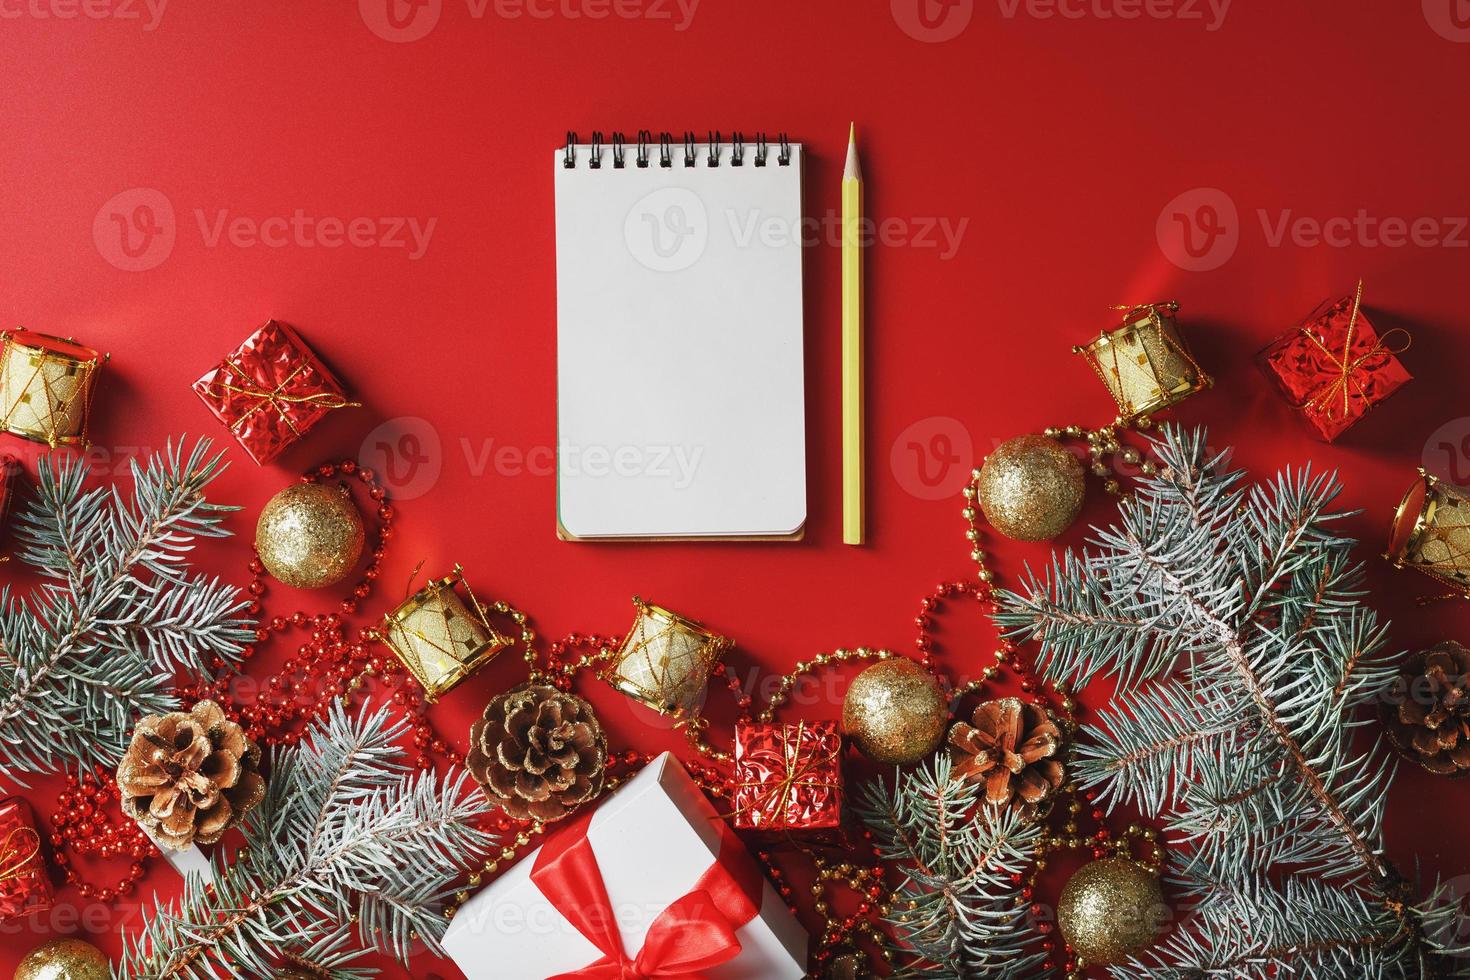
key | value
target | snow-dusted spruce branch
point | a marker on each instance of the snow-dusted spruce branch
(955, 912)
(117, 614)
(347, 836)
(1231, 617)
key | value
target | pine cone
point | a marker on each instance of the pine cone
(1011, 747)
(1427, 713)
(539, 752)
(189, 777)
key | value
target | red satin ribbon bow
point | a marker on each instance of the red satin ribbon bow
(694, 934)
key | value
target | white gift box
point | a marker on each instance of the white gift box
(653, 839)
(191, 859)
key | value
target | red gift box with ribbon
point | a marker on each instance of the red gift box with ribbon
(788, 777)
(650, 884)
(270, 390)
(24, 885)
(1336, 367)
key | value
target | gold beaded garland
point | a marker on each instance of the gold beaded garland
(64, 959)
(895, 712)
(309, 535)
(1111, 909)
(1031, 488)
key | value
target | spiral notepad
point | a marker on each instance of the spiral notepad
(680, 392)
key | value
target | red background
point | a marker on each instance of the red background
(1060, 140)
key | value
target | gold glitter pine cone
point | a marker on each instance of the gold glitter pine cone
(309, 535)
(1111, 909)
(1013, 749)
(1427, 714)
(1031, 488)
(895, 712)
(539, 752)
(187, 777)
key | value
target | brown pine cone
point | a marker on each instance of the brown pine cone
(1011, 747)
(539, 752)
(190, 776)
(1427, 713)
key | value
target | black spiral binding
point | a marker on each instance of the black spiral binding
(714, 142)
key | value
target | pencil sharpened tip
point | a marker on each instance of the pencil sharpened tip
(852, 132)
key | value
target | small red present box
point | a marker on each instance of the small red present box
(24, 886)
(1336, 367)
(271, 390)
(788, 777)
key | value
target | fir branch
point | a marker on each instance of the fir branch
(1250, 933)
(100, 639)
(347, 833)
(956, 914)
(1232, 617)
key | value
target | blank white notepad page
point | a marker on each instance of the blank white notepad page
(680, 394)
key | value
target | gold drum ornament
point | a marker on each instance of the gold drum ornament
(665, 660)
(440, 638)
(46, 387)
(1145, 363)
(1431, 533)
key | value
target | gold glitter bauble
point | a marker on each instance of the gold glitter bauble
(895, 712)
(64, 959)
(309, 535)
(1031, 488)
(1111, 909)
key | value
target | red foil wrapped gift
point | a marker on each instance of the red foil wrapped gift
(788, 777)
(1336, 367)
(271, 390)
(24, 886)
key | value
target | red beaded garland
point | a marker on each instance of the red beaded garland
(89, 822)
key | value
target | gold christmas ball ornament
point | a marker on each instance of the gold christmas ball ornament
(1111, 909)
(64, 959)
(1031, 488)
(309, 535)
(895, 712)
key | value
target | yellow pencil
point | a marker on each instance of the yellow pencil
(852, 345)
